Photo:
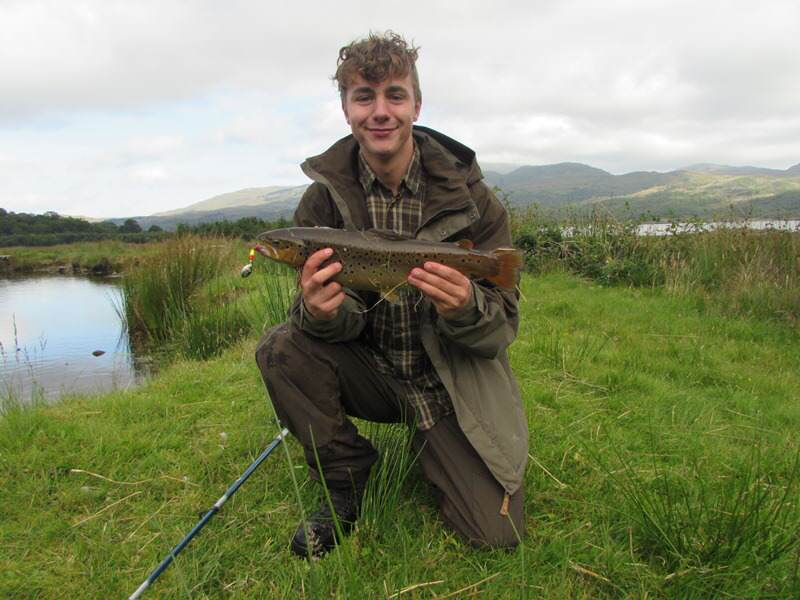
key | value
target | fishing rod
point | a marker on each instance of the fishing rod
(207, 517)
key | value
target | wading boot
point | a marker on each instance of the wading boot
(317, 536)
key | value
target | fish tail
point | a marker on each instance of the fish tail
(509, 262)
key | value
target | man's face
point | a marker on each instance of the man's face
(381, 115)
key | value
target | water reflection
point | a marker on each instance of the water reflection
(49, 328)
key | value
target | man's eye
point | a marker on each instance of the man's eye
(362, 98)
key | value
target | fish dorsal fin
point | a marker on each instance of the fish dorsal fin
(387, 234)
(465, 244)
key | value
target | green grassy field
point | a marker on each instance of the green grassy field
(663, 447)
(109, 256)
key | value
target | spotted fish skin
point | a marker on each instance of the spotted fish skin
(376, 260)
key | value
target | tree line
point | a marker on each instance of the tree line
(50, 228)
(246, 228)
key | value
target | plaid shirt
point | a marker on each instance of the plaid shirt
(393, 330)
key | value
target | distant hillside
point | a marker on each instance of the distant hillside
(269, 203)
(571, 183)
(245, 197)
(695, 191)
(710, 194)
(795, 170)
(729, 170)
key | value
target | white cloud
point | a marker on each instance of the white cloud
(184, 100)
(153, 146)
(151, 174)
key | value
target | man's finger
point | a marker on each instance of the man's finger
(314, 262)
(321, 277)
(326, 292)
(449, 273)
(434, 293)
(332, 304)
(440, 284)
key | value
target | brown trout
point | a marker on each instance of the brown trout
(380, 261)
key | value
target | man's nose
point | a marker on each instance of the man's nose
(381, 110)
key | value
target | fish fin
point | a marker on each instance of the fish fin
(509, 262)
(387, 234)
(465, 244)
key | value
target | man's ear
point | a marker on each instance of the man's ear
(417, 108)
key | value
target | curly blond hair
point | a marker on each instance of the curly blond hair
(376, 58)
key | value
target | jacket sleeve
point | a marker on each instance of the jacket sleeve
(489, 322)
(316, 209)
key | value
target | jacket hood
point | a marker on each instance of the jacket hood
(453, 154)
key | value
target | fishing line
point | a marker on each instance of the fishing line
(383, 297)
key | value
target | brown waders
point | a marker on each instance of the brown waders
(314, 386)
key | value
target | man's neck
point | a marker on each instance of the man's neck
(391, 172)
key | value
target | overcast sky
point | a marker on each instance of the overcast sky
(121, 108)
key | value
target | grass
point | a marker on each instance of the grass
(664, 465)
(102, 257)
(738, 271)
(190, 300)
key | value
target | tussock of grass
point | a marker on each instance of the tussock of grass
(160, 294)
(708, 522)
(190, 299)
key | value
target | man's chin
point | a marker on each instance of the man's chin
(383, 151)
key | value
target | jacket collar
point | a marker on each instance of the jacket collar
(450, 165)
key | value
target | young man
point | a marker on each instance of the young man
(437, 359)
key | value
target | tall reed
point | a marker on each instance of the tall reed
(158, 294)
(189, 298)
(271, 290)
(739, 270)
(748, 272)
(388, 476)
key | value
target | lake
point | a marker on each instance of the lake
(50, 326)
(761, 224)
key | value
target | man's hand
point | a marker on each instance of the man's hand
(321, 297)
(448, 289)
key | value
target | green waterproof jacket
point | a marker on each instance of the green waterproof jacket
(468, 351)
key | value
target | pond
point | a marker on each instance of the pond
(61, 334)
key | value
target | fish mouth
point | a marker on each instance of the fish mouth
(269, 250)
(291, 255)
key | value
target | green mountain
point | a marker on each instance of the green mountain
(703, 190)
(571, 183)
(245, 197)
(712, 195)
(268, 203)
(696, 191)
